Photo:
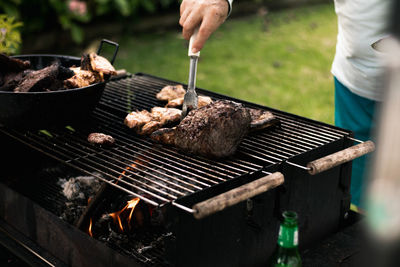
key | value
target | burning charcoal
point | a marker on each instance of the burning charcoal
(101, 139)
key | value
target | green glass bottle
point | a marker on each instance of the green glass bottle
(287, 252)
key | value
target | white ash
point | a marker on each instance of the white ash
(79, 188)
(77, 191)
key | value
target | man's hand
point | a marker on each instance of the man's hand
(209, 14)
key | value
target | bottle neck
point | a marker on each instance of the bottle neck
(288, 236)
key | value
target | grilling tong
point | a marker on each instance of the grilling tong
(190, 98)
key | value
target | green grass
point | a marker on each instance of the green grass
(282, 62)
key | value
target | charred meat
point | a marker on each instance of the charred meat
(10, 64)
(47, 79)
(261, 119)
(215, 130)
(15, 74)
(145, 122)
(101, 139)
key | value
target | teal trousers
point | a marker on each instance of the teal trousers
(356, 113)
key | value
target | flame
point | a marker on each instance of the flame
(90, 228)
(131, 167)
(131, 204)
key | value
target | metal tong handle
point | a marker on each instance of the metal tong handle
(190, 98)
(236, 195)
(193, 61)
(116, 45)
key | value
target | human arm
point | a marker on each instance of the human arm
(208, 14)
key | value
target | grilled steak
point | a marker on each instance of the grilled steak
(215, 130)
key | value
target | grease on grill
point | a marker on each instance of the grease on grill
(101, 139)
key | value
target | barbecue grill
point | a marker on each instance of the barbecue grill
(162, 176)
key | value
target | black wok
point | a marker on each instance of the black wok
(44, 109)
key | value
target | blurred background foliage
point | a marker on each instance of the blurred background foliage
(71, 15)
(10, 37)
(276, 53)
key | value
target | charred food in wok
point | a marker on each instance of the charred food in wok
(16, 75)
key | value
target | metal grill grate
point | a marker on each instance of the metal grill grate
(160, 174)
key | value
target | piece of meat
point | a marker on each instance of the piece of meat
(201, 102)
(82, 78)
(101, 65)
(149, 127)
(261, 119)
(166, 115)
(174, 103)
(145, 122)
(164, 136)
(10, 64)
(11, 80)
(101, 139)
(171, 92)
(214, 131)
(137, 119)
(49, 78)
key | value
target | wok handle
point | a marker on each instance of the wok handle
(236, 195)
(111, 43)
(340, 157)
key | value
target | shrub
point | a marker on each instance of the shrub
(10, 38)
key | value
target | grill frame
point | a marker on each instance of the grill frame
(176, 181)
(239, 227)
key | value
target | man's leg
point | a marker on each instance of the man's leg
(355, 113)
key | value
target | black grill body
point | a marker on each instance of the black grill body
(243, 235)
